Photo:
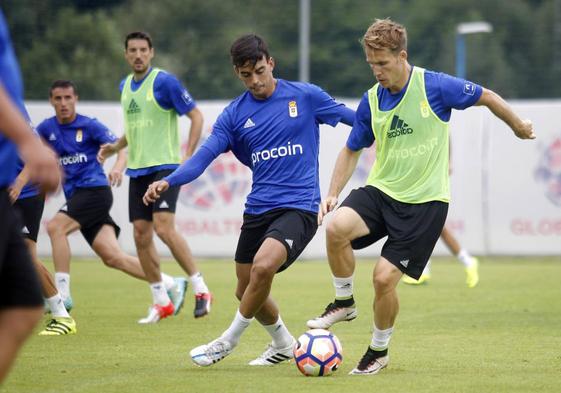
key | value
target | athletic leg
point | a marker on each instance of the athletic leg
(345, 226)
(58, 229)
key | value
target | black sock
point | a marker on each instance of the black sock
(377, 354)
(345, 303)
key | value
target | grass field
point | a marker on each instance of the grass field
(503, 336)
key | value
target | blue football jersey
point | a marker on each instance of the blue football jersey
(77, 144)
(11, 80)
(278, 139)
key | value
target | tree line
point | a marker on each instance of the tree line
(83, 40)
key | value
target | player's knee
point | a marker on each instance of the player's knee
(53, 228)
(113, 261)
(240, 289)
(164, 232)
(335, 232)
(382, 282)
(262, 272)
(142, 237)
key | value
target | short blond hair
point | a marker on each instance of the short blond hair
(385, 34)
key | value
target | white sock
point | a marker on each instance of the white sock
(168, 281)
(381, 338)
(280, 334)
(159, 293)
(236, 329)
(62, 282)
(198, 283)
(57, 306)
(343, 287)
(465, 258)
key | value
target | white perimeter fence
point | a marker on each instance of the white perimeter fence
(506, 193)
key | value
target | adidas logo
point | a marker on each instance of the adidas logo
(249, 123)
(164, 205)
(25, 230)
(289, 242)
(52, 137)
(133, 108)
(399, 127)
(405, 262)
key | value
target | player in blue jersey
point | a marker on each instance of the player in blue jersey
(273, 128)
(77, 140)
(29, 203)
(407, 193)
(21, 303)
(152, 100)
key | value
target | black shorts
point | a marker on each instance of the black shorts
(30, 211)
(90, 207)
(137, 188)
(19, 284)
(292, 227)
(412, 229)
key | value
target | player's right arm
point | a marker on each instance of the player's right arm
(186, 173)
(361, 136)
(218, 142)
(42, 162)
(108, 149)
(344, 168)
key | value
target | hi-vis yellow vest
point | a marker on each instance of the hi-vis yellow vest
(411, 147)
(152, 132)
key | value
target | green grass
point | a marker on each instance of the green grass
(503, 336)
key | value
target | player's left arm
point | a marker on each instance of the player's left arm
(177, 97)
(522, 128)
(195, 130)
(329, 111)
(105, 137)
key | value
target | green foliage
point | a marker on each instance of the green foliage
(83, 40)
(80, 47)
(502, 336)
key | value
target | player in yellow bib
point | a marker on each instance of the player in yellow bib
(152, 99)
(406, 196)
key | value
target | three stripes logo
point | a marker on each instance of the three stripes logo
(133, 108)
(399, 127)
(277, 358)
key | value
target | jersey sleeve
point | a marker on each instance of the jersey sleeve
(446, 92)
(329, 111)
(174, 94)
(217, 143)
(361, 135)
(122, 85)
(101, 133)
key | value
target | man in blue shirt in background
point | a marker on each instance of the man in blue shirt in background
(77, 139)
(273, 128)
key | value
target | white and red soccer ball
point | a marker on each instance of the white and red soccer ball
(318, 353)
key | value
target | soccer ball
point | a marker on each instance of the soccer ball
(318, 353)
